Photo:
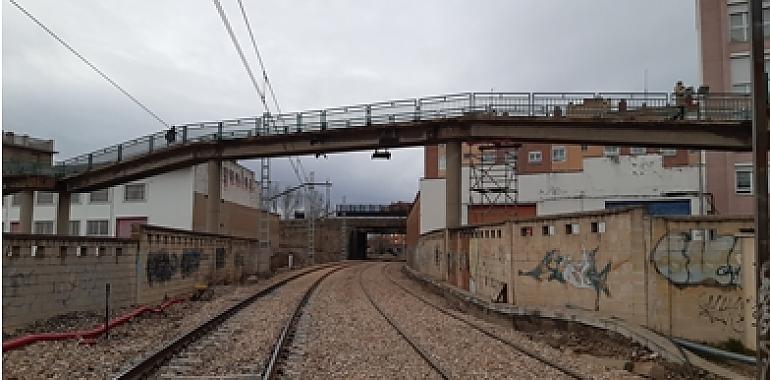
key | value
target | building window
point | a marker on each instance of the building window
(572, 228)
(535, 157)
(526, 231)
(638, 151)
(740, 71)
(16, 200)
(75, 198)
(442, 162)
(549, 230)
(99, 196)
(598, 227)
(98, 227)
(44, 198)
(220, 258)
(488, 156)
(510, 157)
(739, 26)
(43, 227)
(584, 148)
(743, 180)
(559, 154)
(134, 192)
(75, 227)
(668, 152)
(611, 151)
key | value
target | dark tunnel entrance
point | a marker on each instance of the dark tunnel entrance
(363, 245)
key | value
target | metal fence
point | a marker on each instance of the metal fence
(643, 106)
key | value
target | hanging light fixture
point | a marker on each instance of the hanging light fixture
(381, 154)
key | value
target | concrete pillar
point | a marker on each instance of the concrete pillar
(63, 213)
(214, 196)
(26, 207)
(453, 184)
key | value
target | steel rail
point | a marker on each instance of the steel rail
(420, 351)
(534, 355)
(284, 339)
(145, 366)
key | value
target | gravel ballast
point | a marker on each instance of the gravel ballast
(347, 338)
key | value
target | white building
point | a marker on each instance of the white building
(175, 199)
(601, 183)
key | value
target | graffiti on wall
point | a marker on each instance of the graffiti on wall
(191, 261)
(581, 273)
(161, 267)
(691, 258)
(723, 310)
(763, 317)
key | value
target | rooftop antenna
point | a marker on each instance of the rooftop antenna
(645, 82)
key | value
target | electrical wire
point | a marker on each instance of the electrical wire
(87, 62)
(259, 57)
(296, 167)
(238, 49)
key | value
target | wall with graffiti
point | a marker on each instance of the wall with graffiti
(173, 262)
(590, 261)
(430, 255)
(680, 276)
(697, 286)
(489, 262)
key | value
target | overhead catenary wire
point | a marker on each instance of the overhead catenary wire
(268, 85)
(87, 62)
(238, 49)
(296, 167)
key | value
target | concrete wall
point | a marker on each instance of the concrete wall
(697, 282)
(155, 264)
(235, 219)
(679, 276)
(172, 262)
(62, 277)
(329, 239)
(432, 204)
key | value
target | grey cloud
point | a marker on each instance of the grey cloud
(175, 56)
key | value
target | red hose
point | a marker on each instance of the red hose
(85, 334)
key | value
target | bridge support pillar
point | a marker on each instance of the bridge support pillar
(214, 196)
(453, 184)
(26, 207)
(63, 213)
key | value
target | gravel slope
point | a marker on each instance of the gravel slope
(580, 364)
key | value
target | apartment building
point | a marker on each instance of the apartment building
(175, 199)
(723, 41)
(504, 181)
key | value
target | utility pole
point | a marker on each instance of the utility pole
(759, 136)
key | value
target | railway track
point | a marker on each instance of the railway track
(280, 355)
(429, 359)
(567, 371)
(223, 325)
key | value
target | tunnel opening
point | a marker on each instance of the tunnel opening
(363, 245)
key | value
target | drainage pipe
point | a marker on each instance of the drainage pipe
(708, 350)
(85, 334)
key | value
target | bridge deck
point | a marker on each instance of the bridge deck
(711, 121)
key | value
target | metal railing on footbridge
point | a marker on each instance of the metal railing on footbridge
(611, 105)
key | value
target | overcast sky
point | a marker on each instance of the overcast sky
(175, 56)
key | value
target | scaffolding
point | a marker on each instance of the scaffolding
(493, 176)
